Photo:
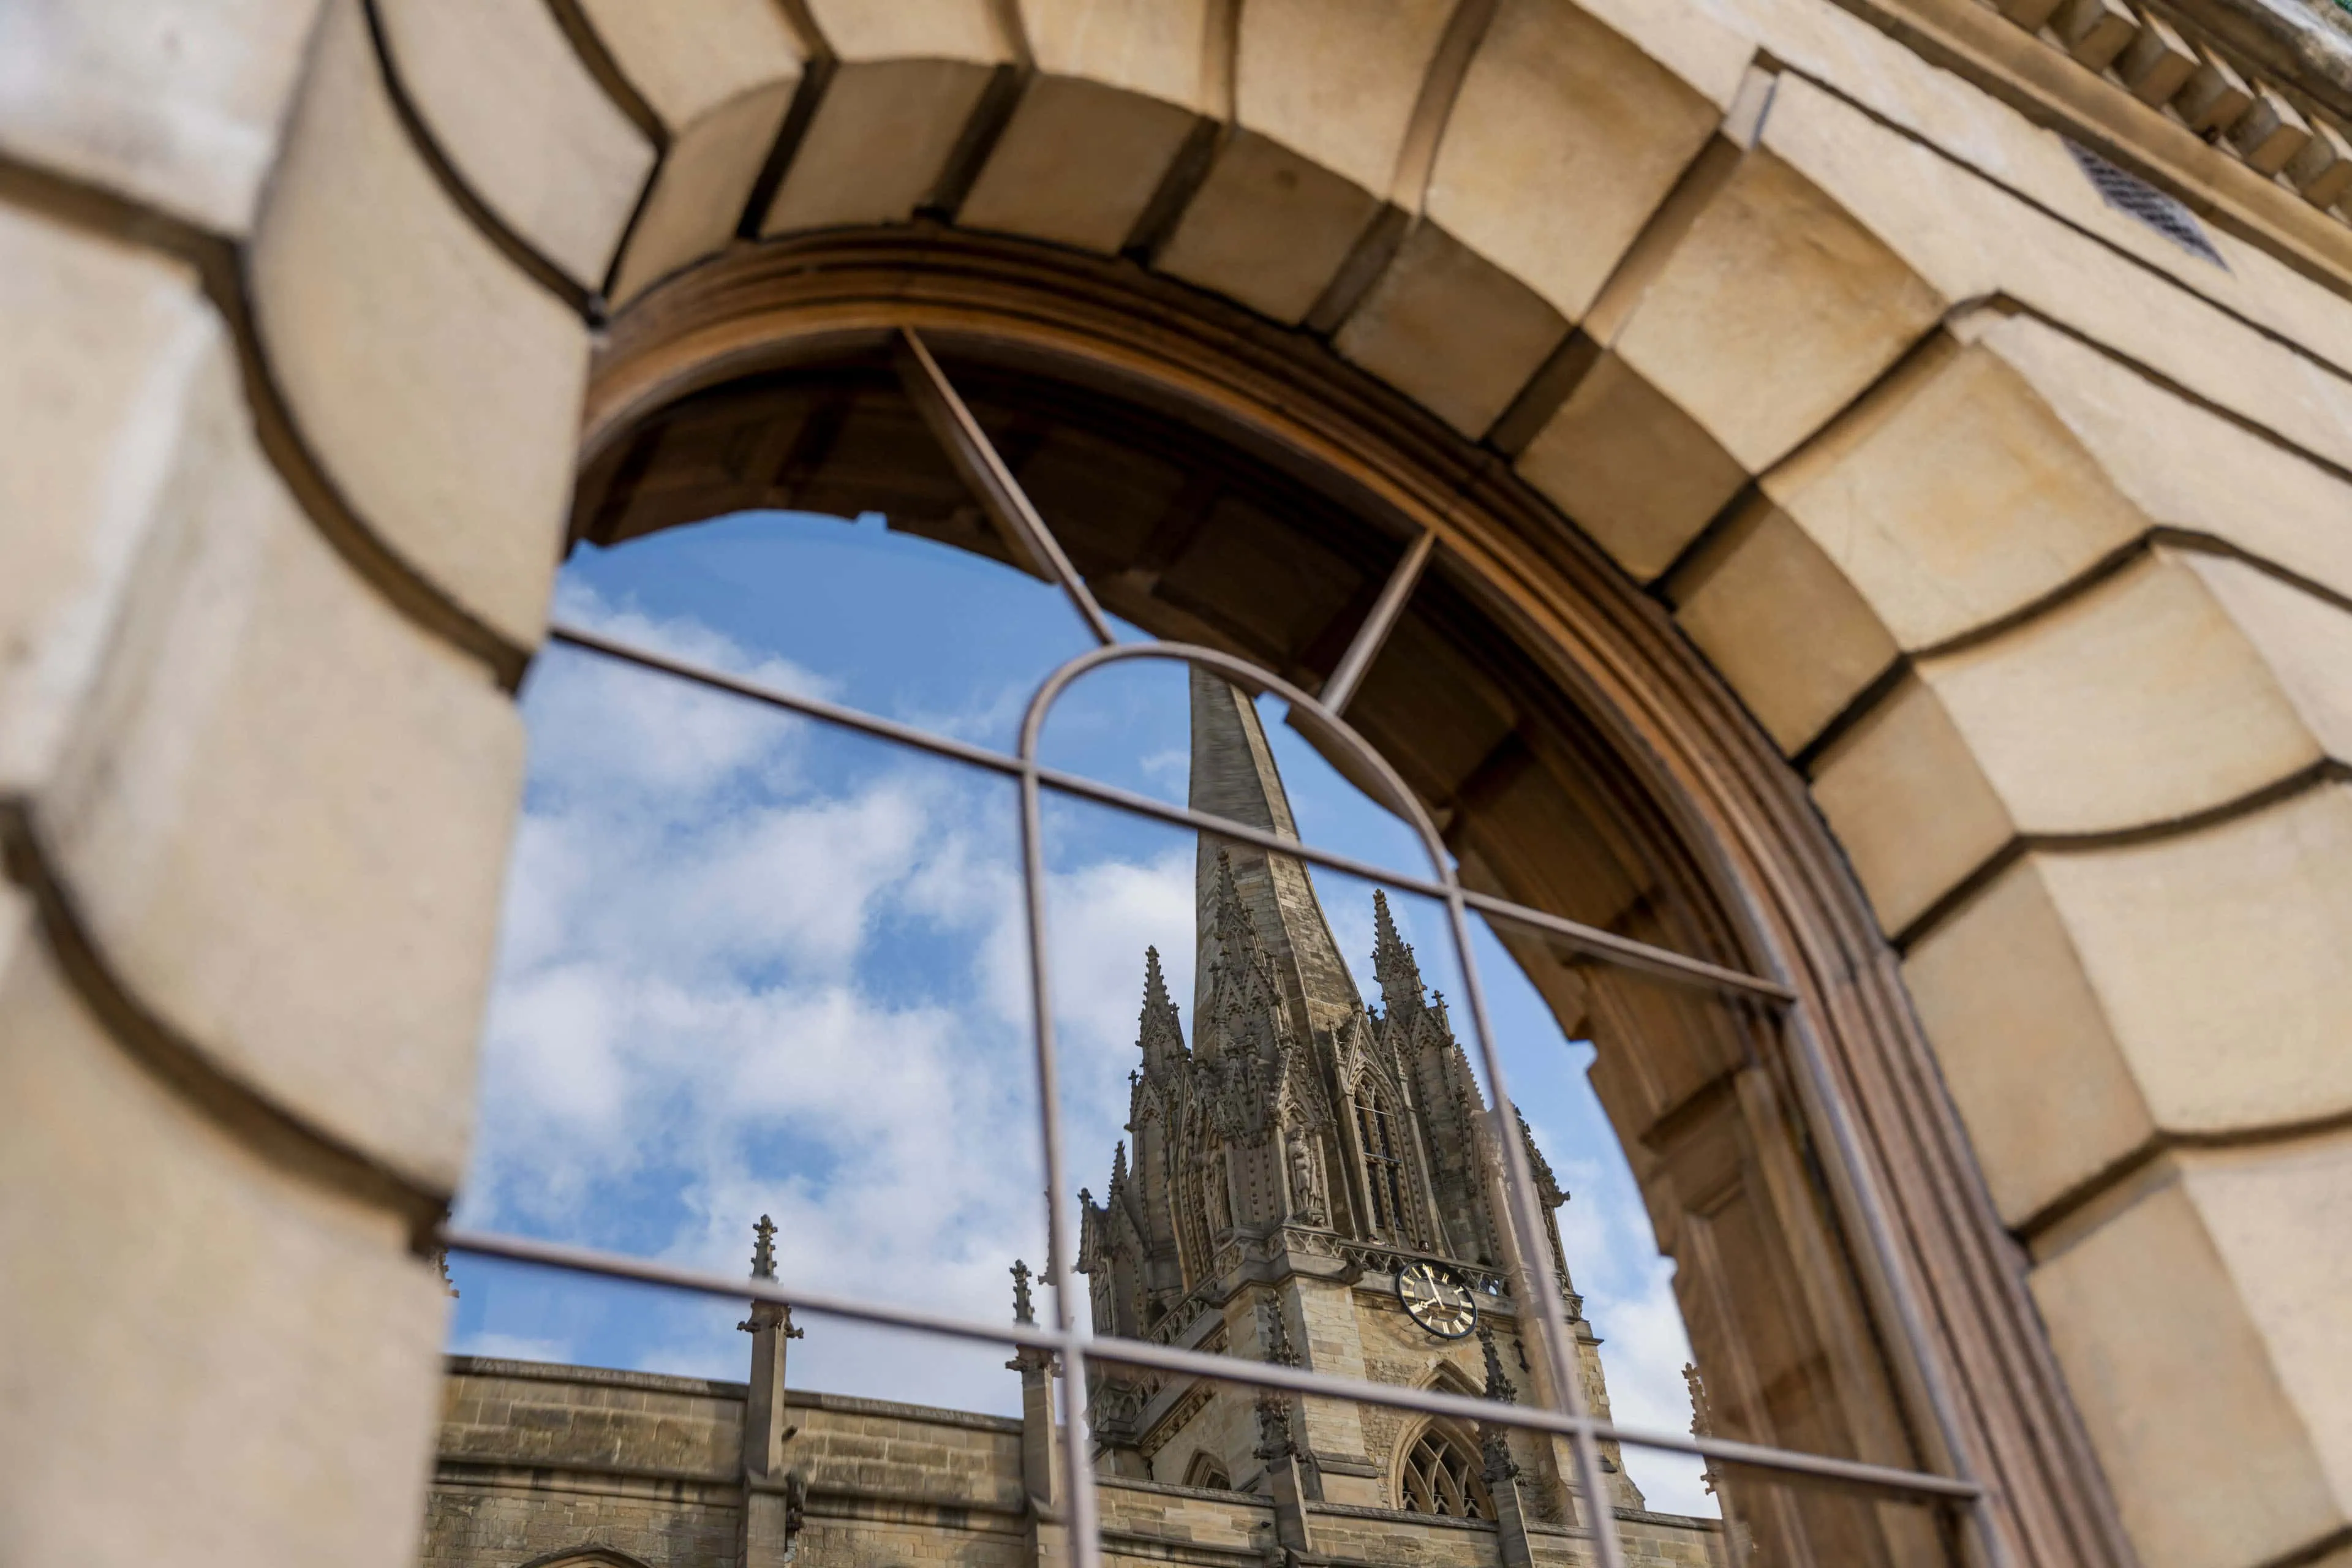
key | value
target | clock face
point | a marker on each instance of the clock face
(1435, 1297)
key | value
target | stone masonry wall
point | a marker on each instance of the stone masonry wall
(538, 1460)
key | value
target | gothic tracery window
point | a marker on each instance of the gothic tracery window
(1383, 1169)
(1206, 1474)
(1441, 1476)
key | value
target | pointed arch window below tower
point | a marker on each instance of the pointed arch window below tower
(1442, 1475)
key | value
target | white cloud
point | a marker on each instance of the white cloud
(748, 969)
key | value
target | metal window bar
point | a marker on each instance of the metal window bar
(1070, 1338)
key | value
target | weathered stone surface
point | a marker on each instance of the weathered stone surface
(1909, 804)
(689, 56)
(2135, 703)
(1634, 471)
(507, 101)
(2186, 467)
(1324, 93)
(104, 342)
(175, 104)
(720, 76)
(258, 1354)
(1450, 329)
(699, 194)
(1953, 496)
(2198, 1320)
(2223, 945)
(1969, 238)
(1118, 86)
(1335, 82)
(909, 77)
(1268, 227)
(284, 813)
(2024, 1045)
(1774, 311)
(439, 385)
(1797, 643)
(1567, 134)
(1077, 163)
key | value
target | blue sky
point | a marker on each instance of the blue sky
(753, 964)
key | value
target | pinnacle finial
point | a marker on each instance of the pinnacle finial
(1022, 1312)
(1118, 1166)
(1499, 1386)
(763, 1250)
(1392, 962)
(1155, 984)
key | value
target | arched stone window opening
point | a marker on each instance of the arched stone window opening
(1517, 723)
(1384, 1168)
(1441, 1474)
(1207, 1473)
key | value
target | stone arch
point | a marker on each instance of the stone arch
(1207, 1472)
(1737, 290)
(586, 1557)
(1429, 1443)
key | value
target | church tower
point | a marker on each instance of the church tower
(1314, 1181)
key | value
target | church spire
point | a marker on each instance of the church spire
(1158, 1035)
(1233, 776)
(1392, 961)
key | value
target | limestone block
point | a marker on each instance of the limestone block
(284, 813)
(910, 76)
(509, 102)
(2270, 133)
(2323, 170)
(1077, 163)
(2138, 701)
(1971, 238)
(1268, 227)
(2223, 945)
(1567, 135)
(1336, 81)
(1909, 804)
(103, 342)
(175, 103)
(439, 385)
(1452, 331)
(720, 76)
(2199, 1329)
(1634, 471)
(1774, 310)
(1324, 94)
(1797, 643)
(2158, 62)
(701, 191)
(2184, 467)
(1953, 496)
(2096, 31)
(2024, 1045)
(2182, 684)
(1973, 131)
(2214, 94)
(2304, 642)
(259, 1354)
(1118, 86)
